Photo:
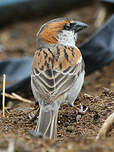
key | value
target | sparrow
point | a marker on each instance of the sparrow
(57, 71)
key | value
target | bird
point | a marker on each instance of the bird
(58, 71)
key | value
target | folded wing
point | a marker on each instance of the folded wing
(55, 70)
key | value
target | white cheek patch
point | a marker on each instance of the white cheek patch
(67, 38)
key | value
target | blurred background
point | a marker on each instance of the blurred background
(20, 20)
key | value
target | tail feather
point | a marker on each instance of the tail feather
(47, 123)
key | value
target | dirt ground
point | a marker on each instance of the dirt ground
(97, 94)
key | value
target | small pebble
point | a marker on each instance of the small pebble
(96, 99)
(78, 117)
(70, 128)
(96, 116)
(66, 124)
(88, 96)
(59, 122)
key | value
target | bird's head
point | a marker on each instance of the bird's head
(60, 31)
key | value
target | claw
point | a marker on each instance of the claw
(81, 112)
(83, 109)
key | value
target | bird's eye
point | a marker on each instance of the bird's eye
(67, 27)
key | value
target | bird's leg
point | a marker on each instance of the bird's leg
(33, 115)
(47, 122)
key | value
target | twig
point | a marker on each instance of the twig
(21, 98)
(14, 96)
(11, 146)
(9, 96)
(109, 122)
(3, 96)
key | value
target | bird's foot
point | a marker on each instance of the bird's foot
(83, 109)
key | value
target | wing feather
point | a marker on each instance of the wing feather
(55, 70)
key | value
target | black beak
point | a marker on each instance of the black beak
(78, 26)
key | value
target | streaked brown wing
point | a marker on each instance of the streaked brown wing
(55, 70)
